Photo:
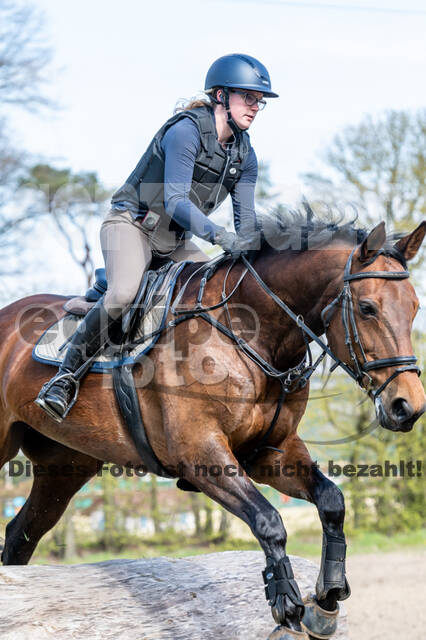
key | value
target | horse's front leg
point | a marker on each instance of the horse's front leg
(234, 490)
(301, 478)
(332, 584)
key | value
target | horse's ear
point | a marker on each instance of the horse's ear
(373, 243)
(409, 245)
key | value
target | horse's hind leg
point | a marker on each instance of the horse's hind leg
(10, 441)
(50, 493)
(301, 478)
(226, 483)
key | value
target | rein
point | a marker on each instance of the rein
(297, 377)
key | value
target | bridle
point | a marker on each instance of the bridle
(361, 369)
(297, 377)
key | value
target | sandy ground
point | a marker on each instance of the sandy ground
(388, 600)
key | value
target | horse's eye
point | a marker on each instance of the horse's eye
(367, 309)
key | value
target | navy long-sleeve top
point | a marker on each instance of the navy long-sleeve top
(181, 145)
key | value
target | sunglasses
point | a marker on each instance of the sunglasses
(250, 99)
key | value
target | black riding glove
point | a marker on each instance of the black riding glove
(229, 242)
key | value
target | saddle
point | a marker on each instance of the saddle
(141, 328)
(151, 282)
(146, 317)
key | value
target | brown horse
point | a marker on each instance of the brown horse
(206, 403)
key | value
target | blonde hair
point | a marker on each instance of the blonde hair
(200, 100)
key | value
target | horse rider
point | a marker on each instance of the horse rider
(200, 155)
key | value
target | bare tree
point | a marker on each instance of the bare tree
(379, 165)
(13, 223)
(24, 56)
(24, 60)
(71, 201)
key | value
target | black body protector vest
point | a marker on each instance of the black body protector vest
(215, 170)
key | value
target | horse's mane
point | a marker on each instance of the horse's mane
(301, 229)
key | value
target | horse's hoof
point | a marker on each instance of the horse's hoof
(284, 633)
(317, 622)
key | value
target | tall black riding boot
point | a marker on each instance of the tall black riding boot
(59, 394)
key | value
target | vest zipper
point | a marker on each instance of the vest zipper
(228, 157)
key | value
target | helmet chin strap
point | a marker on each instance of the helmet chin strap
(229, 119)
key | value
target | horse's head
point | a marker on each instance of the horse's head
(378, 305)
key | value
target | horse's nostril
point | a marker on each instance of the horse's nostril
(401, 409)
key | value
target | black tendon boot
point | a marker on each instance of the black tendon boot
(59, 394)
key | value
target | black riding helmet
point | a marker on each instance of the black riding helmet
(237, 71)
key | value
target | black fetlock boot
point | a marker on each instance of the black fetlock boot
(59, 394)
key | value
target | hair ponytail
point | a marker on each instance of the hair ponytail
(201, 100)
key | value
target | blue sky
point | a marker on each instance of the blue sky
(120, 67)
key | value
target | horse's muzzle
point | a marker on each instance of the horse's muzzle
(401, 418)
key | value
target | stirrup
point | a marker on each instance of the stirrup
(41, 402)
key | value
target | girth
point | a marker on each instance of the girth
(296, 377)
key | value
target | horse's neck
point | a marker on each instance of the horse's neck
(307, 282)
(314, 279)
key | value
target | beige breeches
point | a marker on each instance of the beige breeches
(127, 251)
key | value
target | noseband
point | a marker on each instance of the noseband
(296, 377)
(361, 368)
